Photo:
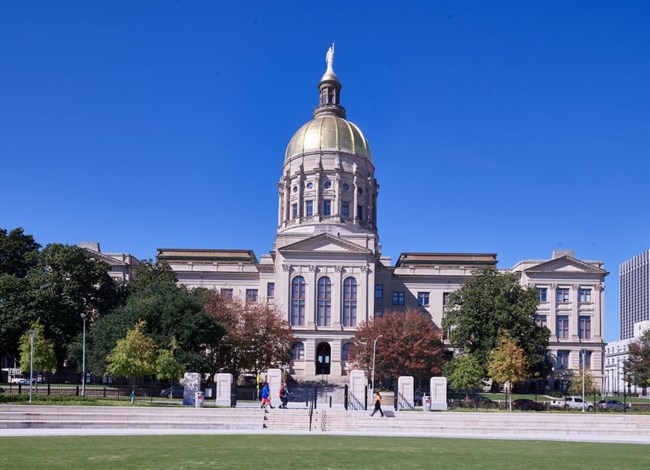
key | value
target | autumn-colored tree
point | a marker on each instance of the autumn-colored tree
(638, 362)
(44, 357)
(576, 383)
(410, 345)
(133, 356)
(465, 372)
(167, 366)
(507, 362)
(256, 339)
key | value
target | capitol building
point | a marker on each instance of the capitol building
(326, 273)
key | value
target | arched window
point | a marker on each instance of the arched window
(350, 302)
(345, 351)
(324, 308)
(297, 352)
(298, 301)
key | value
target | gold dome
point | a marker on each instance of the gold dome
(327, 132)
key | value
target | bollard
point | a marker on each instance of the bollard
(330, 401)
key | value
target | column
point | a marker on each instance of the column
(355, 198)
(310, 296)
(598, 318)
(552, 314)
(318, 200)
(337, 296)
(573, 316)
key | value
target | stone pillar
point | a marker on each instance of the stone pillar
(191, 384)
(355, 199)
(274, 379)
(438, 387)
(573, 316)
(224, 389)
(552, 313)
(405, 393)
(357, 390)
(311, 291)
(597, 319)
(337, 296)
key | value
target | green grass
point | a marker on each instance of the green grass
(300, 452)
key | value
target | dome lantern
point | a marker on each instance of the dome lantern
(330, 90)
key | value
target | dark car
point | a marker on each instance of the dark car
(527, 405)
(612, 405)
(174, 392)
(480, 401)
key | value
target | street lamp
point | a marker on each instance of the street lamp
(584, 354)
(374, 352)
(31, 363)
(83, 358)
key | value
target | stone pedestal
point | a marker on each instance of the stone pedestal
(224, 389)
(438, 393)
(191, 384)
(274, 378)
(405, 393)
(357, 397)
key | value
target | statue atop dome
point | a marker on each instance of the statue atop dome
(329, 59)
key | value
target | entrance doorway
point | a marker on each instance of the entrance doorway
(323, 359)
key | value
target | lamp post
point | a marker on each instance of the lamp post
(83, 358)
(31, 363)
(584, 354)
(374, 353)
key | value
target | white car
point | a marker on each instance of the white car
(572, 403)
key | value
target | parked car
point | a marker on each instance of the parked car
(2, 390)
(527, 405)
(613, 405)
(175, 391)
(480, 401)
(572, 403)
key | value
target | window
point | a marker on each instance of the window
(540, 320)
(541, 294)
(251, 296)
(324, 309)
(270, 290)
(226, 294)
(345, 351)
(298, 301)
(294, 211)
(345, 209)
(562, 360)
(562, 327)
(346, 186)
(584, 296)
(423, 299)
(587, 359)
(584, 327)
(309, 208)
(350, 302)
(327, 207)
(297, 352)
(309, 185)
(445, 299)
(398, 298)
(327, 185)
(561, 294)
(379, 292)
(360, 212)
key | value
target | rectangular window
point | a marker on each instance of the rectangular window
(309, 208)
(345, 209)
(226, 294)
(541, 294)
(445, 299)
(327, 207)
(270, 290)
(584, 296)
(251, 296)
(562, 295)
(423, 299)
(540, 320)
(398, 298)
(360, 212)
(379, 292)
(562, 327)
(587, 359)
(584, 327)
(294, 211)
(562, 360)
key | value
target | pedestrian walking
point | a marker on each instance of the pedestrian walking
(377, 400)
(266, 396)
(284, 395)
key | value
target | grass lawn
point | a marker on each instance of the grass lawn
(300, 452)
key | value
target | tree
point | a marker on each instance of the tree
(576, 383)
(465, 372)
(17, 252)
(44, 358)
(133, 356)
(411, 345)
(256, 338)
(507, 363)
(152, 272)
(488, 304)
(170, 311)
(167, 367)
(637, 364)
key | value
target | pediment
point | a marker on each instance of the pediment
(324, 244)
(565, 265)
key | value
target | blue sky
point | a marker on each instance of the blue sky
(506, 127)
